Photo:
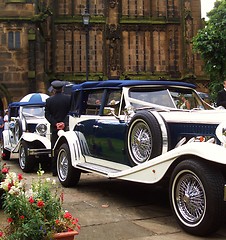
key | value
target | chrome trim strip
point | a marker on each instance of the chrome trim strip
(164, 131)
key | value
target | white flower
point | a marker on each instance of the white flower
(12, 175)
(5, 184)
(20, 184)
(29, 193)
(40, 172)
(48, 179)
(14, 190)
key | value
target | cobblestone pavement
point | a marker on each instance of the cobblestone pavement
(117, 210)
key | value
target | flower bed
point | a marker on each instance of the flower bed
(34, 213)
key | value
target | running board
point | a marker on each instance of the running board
(96, 168)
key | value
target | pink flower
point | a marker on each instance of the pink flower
(1, 234)
(5, 170)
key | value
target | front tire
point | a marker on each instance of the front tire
(18, 130)
(26, 162)
(196, 197)
(67, 174)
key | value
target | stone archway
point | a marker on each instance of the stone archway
(4, 98)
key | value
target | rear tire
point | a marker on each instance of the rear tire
(5, 154)
(67, 174)
(196, 197)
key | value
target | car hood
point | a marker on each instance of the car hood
(36, 121)
(195, 116)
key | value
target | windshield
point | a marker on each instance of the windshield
(178, 98)
(33, 111)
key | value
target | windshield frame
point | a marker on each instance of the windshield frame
(165, 98)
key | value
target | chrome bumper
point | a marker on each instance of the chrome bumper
(40, 151)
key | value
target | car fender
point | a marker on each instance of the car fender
(153, 171)
(72, 140)
(31, 137)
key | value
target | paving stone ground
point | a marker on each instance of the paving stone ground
(119, 210)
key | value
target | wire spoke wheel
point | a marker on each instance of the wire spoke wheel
(191, 198)
(62, 164)
(22, 157)
(144, 138)
(67, 174)
(196, 196)
(141, 142)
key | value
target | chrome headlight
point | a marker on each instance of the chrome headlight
(41, 129)
(11, 124)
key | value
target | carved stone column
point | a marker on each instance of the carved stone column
(113, 40)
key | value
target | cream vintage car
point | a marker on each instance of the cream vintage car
(150, 132)
(28, 133)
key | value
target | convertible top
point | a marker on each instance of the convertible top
(32, 99)
(18, 104)
(127, 83)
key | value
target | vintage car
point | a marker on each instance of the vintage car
(28, 133)
(150, 132)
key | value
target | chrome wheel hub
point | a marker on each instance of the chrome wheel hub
(190, 198)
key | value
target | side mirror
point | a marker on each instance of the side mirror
(109, 111)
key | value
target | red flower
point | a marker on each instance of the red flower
(10, 220)
(22, 217)
(74, 222)
(9, 186)
(5, 170)
(57, 221)
(1, 234)
(20, 176)
(67, 215)
(31, 200)
(40, 203)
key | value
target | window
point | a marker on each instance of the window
(14, 40)
(112, 104)
(93, 102)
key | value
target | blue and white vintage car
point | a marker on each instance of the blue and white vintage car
(150, 132)
(28, 132)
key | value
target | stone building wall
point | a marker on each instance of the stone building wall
(137, 39)
(14, 27)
